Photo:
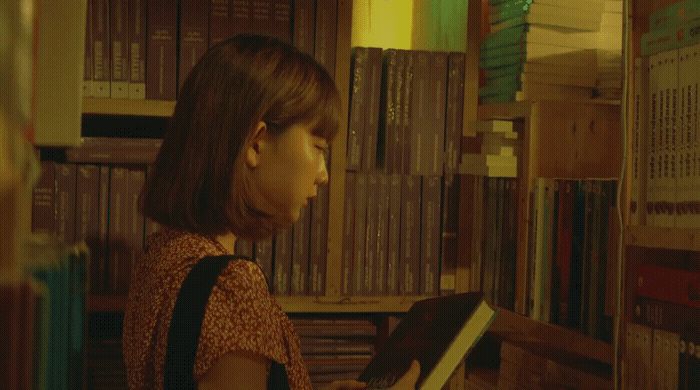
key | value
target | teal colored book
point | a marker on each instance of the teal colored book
(672, 37)
(499, 62)
(674, 15)
(507, 37)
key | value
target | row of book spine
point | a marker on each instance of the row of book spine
(662, 345)
(495, 213)
(665, 186)
(335, 349)
(571, 248)
(144, 49)
(42, 317)
(399, 234)
(405, 111)
(88, 200)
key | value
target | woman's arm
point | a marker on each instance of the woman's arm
(237, 370)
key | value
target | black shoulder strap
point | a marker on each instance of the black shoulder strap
(186, 326)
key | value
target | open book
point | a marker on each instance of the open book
(438, 332)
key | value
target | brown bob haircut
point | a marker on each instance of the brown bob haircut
(199, 181)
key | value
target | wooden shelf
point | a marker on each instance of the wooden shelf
(519, 110)
(506, 111)
(510, 325)
(103, 106)
(391, 304)
(687, 239)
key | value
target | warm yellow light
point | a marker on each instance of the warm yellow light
(382, 23)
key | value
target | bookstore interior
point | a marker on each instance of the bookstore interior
(513, 196)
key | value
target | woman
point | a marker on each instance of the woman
(245, 151)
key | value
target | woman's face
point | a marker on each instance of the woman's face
(287, 168)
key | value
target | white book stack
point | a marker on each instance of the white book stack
(609, 51)
(498, 157)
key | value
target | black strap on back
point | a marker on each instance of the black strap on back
(186, 326)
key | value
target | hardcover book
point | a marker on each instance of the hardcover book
(439, 333)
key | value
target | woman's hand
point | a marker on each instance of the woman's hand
(406, 382)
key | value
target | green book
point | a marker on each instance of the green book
(509, 6)
(507, 37)
(499, 62)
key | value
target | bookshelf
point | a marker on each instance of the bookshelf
(129, 107)
(654, 249)
(559, 139)
(663, 238)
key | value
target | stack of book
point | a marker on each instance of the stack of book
(662, 342)
(665, 187)
(335, 349)
(541, 49)
(609, 52)
(498, 151)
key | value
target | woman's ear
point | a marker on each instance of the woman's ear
(255, 145)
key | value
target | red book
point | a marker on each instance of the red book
(409, 265)
(564, 235)
(435, 112)
(119, 38)
(348, 234)
(387, 125)
(65, 202)
(405, 69)
(394, 235)
(100, 48)
(119, 219)
(300, 254)
(669, 284)
(371, 232)
(101, 258)
(87, 66)
(359, 247)
(430, 236)
(373, 75)
(358, 101)
(281, 20)
(137, 49)
(319, 242)
(86, 217)
(450, 222)
(136, 227)
(668, 316)
(43, 200)
(194, 36)
(161, 75)
(455, 107)
(283, 261)
(326, 32)
(382, 218)
(263, 256)
(304, 23)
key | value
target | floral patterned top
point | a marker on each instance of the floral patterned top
(241, 314)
